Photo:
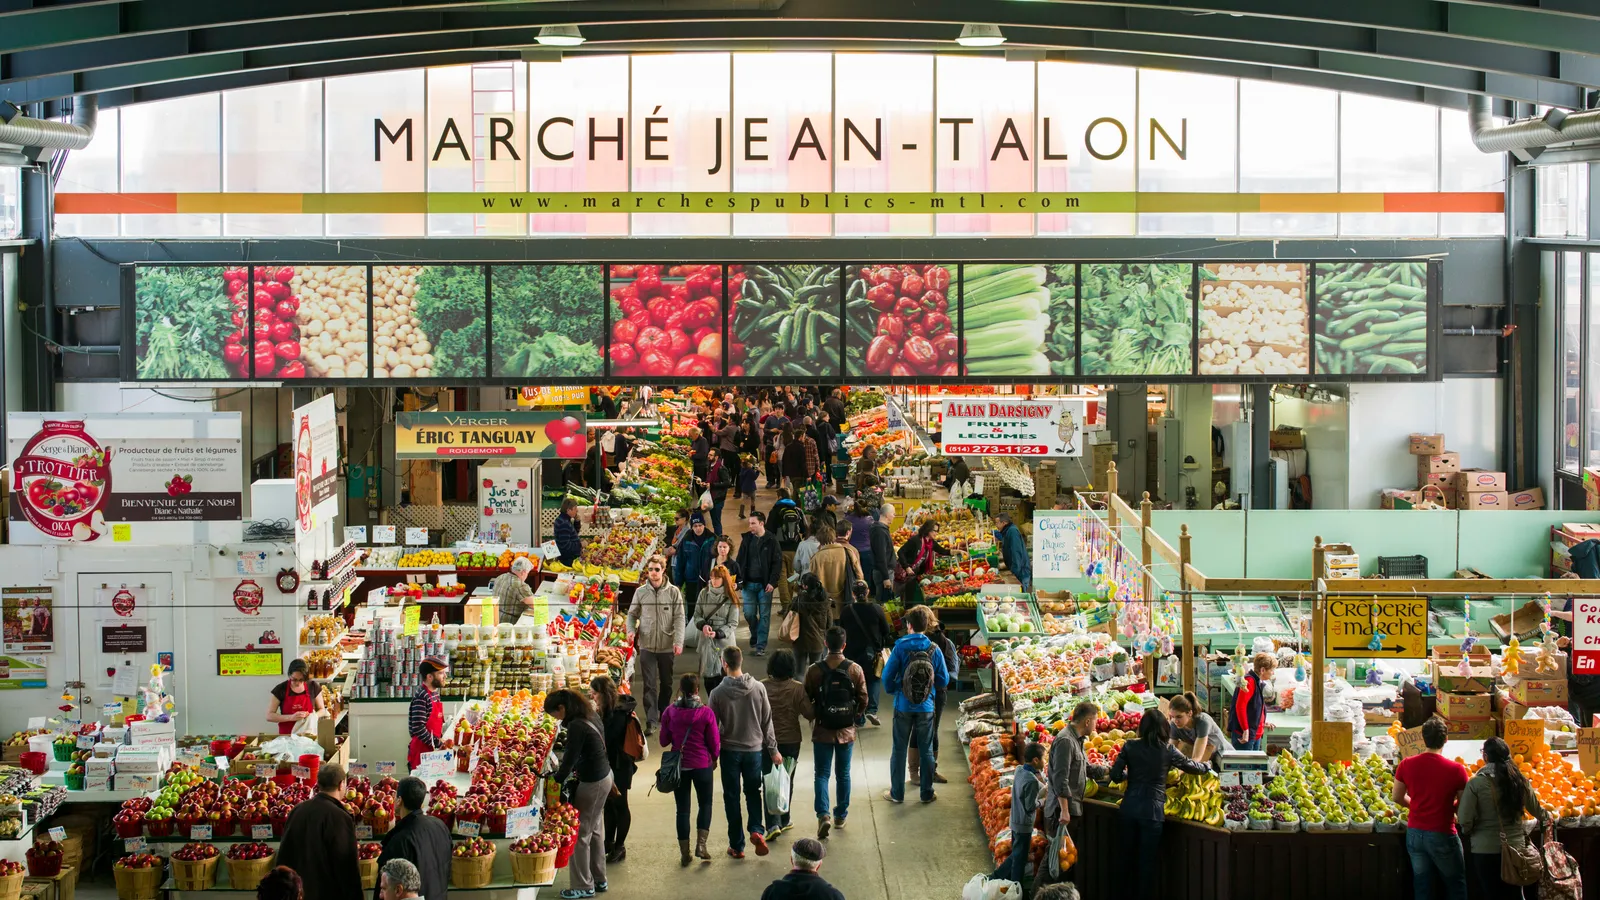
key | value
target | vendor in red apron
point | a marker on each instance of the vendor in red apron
(427, 712)
(295, 699)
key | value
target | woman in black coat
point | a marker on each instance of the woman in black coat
(1144, 764)
(866, 632)
(794, 461)
(623, 733)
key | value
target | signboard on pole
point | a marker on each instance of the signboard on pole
(1005, 426)
(1055, 545)
(1386, 628)
(316, 464)
(432, 435)
(1586, 636)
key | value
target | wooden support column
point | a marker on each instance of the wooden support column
(1187, 601)
(1146, 583)
(1319, 610)
(1111, 491)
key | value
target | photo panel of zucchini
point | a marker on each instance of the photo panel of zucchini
(1019, 318)
(1255, 319)
(901, 319)
(549, 321)
(428, 321)
(1372, 318)
(191, 323)
(1136, 319)
(786, 320)
(666, 320)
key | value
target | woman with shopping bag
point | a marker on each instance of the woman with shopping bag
(717, 621)
(789, 703)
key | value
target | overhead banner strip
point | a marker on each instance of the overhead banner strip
(821, 202)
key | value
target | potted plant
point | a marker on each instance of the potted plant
(1119, 663)
(1102, 668)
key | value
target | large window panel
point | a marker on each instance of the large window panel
(1591, 382)
(690, 147)
(585, 152)
(1387, 145)
(882, 135)
(362, 158)
(173, 145)
(1571, 371)
(1563, 196)
(1463, 167)
(783, 121)
(1087, 113)
(477, 140)
(272, 142)
(988, 102)
(92, 170)
(1189, 124)
(1288, 143)
(10, 203)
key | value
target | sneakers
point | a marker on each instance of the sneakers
(822, 828)
(838, 822)
(735, 854)
(601, 888)
(761, 651)
(758, 841)
(571, 894)
(775, 830)
(889, 796)
(874, 720)
(930, 798)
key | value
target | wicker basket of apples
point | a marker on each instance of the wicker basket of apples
(248, 863)
(194, 866)
(471, 863)
(367, 854)
(138, 877)
(533, 858)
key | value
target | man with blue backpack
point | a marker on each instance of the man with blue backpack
(913, 675)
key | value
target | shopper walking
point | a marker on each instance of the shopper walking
(1193, 724)
(584, 761)
(625, 746)
(672, 538)
(1491, 815)
(1014, 550)
(697, 546)
(699, 452)
(1144, 764)
(689, 728)
(859, 517)
(883, 557)
(803, 882)
(806, 550)
(812, 604)
(1027, 793)
(952, 663)
(655, 623)
(836, 690)
(789, 704)
(721, 554)
(418, 840)
(760, 562)
(1428, 785)
(867, 638)
(425, 718)
(844, 534)
(512, 596)
(788, 524)
(721, 475)
(744, 715)
(915, 671)
(566, 532)
(718, 623)
(281, 883)
(1249, 719)
(795, 460)
(834, 568)
(319, 841)
(398, 879)
(1070, 771)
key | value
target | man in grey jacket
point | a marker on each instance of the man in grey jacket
(744, 716)
(655, 622)
(1070, 772)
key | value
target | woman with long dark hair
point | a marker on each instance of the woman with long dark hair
(916, 557)
(1492, 807)
(625, 746)
(585, 760)
(1144, 763)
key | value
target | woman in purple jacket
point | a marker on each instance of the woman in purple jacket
(690, 727)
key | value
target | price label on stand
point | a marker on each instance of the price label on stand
(199, 832)
(1252, 779)
(416, 537)
(364, 832)
(261, 832)
(521, 822)
(58, 834)
(1524, 736)
(357, 768)
(356, 534)
(383, 534)
(208, 770)
(134, 845)
(1589, 750)
(468, 829)
(1228, 779)
(1332, 742)
(111, 709)
(301, 772)
(385, 767)
(35, 723)
(266, 770)
(1410, 742)
(85, 742)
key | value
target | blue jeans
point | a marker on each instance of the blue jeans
(1436, 854)
(837, 755)
(1015, 868)
(1246, 745)
(742, 766)
(908, 727)
(866, 572)
(872, 695)
(716, 515)
(757, 613)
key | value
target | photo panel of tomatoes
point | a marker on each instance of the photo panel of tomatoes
(901, 320)
(667, 320)
(429, 321)
(786, 321)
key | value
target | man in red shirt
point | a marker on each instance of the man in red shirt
(1429, 785)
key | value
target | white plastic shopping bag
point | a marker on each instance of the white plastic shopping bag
(776, 788)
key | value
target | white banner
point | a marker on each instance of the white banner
(505, 496)
(1055, 545)
(316, 464)
(1004, 426)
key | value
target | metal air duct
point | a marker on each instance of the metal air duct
(47, 134)
(1528, 139)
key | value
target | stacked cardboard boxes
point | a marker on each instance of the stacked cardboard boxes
(1480, 489)
(1533, 687)
(1045, 485)
(1466, 699)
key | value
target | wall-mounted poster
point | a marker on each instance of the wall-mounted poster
(1005, 426)
(316, 463)
(504, 499)
(21, 671)
(81, 478)
(29, 619)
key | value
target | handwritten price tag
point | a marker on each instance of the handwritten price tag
(58, 834)
(468, 829)
(521, 822)
(266, 770)
(1410, 742)
(208, 770)
(1250, 778)
(301, 772)
(1229, 779)
(1524, 735)
(385, 767)
(85, 742)
(358, 768)
(199, 832)
(383, 534)
(364, 832)
(134, 845)
(261, 832)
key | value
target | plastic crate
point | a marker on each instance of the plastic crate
(1029, 608)
(1403, 567)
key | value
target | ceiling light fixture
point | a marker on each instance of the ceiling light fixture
(559, 36)
(981, 36)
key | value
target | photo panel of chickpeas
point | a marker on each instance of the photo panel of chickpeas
(1255, 319)
(315, 318)
(428, 321)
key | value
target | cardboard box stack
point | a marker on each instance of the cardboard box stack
(1045, 485)
(1341, 561)
(1533, 687)
(1479, 489)
(1466, 699)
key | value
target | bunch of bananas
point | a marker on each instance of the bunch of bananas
(1197, 798)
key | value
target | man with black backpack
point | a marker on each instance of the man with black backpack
(837, 689)
(788, 522)
(914, 673)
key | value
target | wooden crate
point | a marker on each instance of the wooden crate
(63, 886)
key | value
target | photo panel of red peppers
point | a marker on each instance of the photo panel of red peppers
(901, 320)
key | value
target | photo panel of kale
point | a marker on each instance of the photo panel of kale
(786, 321)
(901, 319)
(191, 323)
(549, 321)
(1372, 318)
(1018, 319)
(428, 321)
(1136, 319)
